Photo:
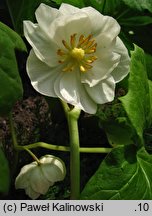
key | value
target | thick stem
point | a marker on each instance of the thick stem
(72, 118)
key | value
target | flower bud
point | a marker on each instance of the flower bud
(36, 178)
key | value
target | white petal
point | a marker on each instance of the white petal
(65, 26)
(22, 180)
(57, 86)
(52, 173)
(38, 182)
(53, 160)
(102, 24)
(31, 193)
(103, 92)
(44, 48)
(69, 88)
(41, 75)
(67, 9)
(122, 69)
(45, 16)
(105, 45)
(101, 69)
(53, 168)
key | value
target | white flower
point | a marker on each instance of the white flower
(36, 179)
(76, 55)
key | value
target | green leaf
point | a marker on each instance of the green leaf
(150, 94)
(148, 65)
(139, 4)
(136, 21)
(108, 7)
(4, 174)
(118, 132)
(10, 82)
(97, 4)
(56, 1)
(76, 3)
(137, 101)
(113, 7)
(125, 174)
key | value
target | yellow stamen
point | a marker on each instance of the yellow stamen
(69, 67)
(82, 68)
(73, 40)
(66, 45)
(81, 38)
(61, 61)
(78, 54)
(84, 41)
(61, 52)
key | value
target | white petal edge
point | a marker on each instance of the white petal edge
(103, 92)
(64, 26)
(101, 24)
(52, 173)
(45, 15)
(41, 75)
(101, 69)
(53, 168)
(67, 9)
(51, 159)
(31, 193)
(38, 182)
(44, 48)
(22, 180)
(69, 88)
(122, 70)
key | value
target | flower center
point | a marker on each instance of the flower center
(78, 54)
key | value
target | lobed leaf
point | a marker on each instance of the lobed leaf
(125, 174)
(137, 101)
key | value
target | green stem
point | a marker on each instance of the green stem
(65, 107)
(72, 118)
(32, 154)
(95, 150)
(62, 148)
